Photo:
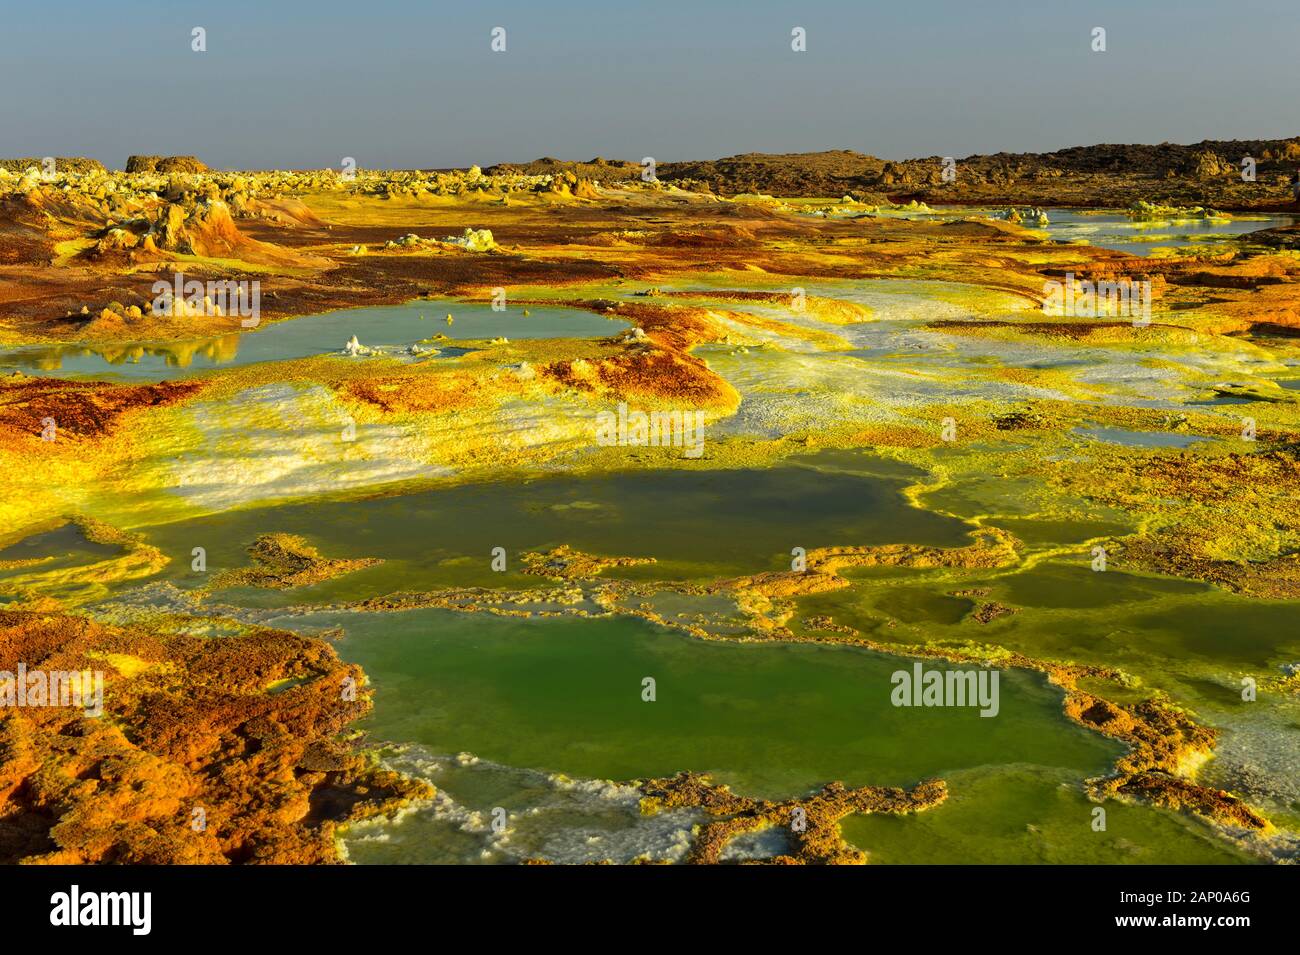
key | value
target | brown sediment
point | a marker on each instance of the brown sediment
(651, 370)
(209, 750)
(78, 409)
(286, 561)
(1181, 555)
(650, 375)
(812, 821)
(1163, 740)
(988, 611)
(415, 392)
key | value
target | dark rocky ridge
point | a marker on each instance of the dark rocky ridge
(1204, 173)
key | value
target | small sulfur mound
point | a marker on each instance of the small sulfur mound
(474, 240)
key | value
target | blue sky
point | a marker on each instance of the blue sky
(286, 83)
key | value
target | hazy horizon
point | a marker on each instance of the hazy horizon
(403, 85)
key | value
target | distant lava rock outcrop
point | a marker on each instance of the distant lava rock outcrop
(165, 164)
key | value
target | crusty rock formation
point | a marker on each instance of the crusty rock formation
(209, 750)
(285, 561)
(165, 164)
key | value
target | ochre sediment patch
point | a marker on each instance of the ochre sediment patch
(657, 376)
(209, 750)
(80, 410)
(415, 392)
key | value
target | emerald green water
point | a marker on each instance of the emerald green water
(1172, 633)
(1033, 814)
(772, 719)
(696, 524)
(62, 547)
(1191, 641)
